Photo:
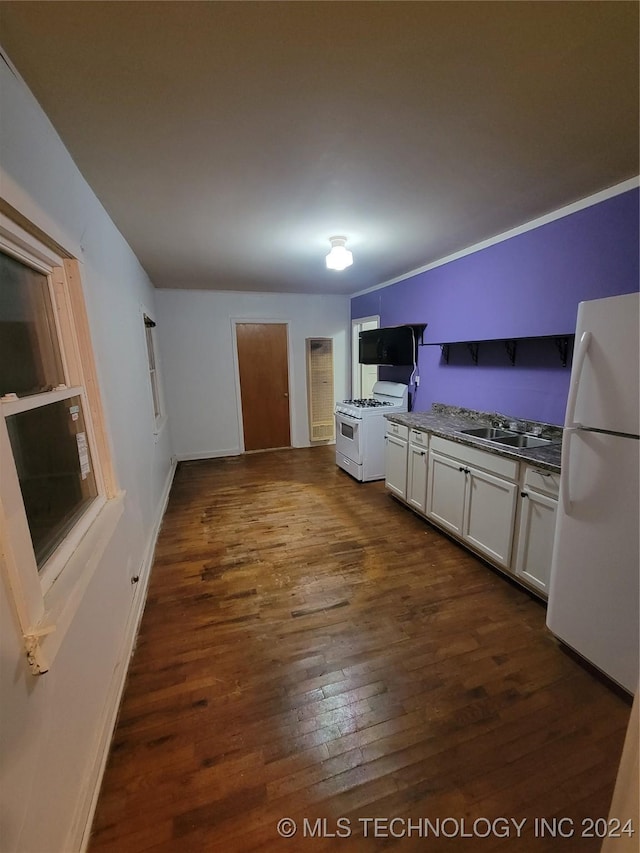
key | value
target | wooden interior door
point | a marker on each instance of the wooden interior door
(264, 384)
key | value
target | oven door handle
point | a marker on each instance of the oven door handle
(347, 419)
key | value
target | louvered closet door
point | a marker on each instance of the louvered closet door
(320, 392)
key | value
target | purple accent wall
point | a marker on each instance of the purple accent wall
(528, 285)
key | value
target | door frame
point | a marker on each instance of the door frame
(356, 323)
(236, 371)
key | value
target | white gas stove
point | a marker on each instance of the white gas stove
(361, 427)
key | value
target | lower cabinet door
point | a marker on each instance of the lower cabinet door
(417, 478)
(490, 515)
(445, 493)
(535, 539)
(395, 465)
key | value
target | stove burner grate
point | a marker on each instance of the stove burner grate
(368, 403)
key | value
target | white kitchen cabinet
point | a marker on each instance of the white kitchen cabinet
(445, 496)
(417, 469)
(490, 513)
(539, 503)
(395, 459)
(473, 494)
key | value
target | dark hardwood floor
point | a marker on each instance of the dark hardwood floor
(310, 649)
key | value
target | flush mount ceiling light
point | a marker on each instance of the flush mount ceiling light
(339, 258)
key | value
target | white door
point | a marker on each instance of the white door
(605, 376)
(446, 490)
(535, 539)
(363, 376)
(417, 477)
(593, 592)
(490, 515)
(395, 465)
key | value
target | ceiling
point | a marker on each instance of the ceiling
(229, 140)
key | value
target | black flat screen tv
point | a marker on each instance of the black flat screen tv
(393, 346)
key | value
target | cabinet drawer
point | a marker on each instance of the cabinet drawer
(499, 465)
(398, 430)
(419, 437)
(547, 482)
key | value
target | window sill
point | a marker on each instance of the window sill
(63, 599)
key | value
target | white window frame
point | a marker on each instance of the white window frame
(46, 601)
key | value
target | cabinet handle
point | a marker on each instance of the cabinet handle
(461, 468)
(422, 453)
(524, 494)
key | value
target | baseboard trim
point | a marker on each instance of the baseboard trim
(213, 454)
(236, 451)
(78, 839)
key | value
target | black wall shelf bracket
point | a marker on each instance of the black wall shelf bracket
(511, 346)
(445, 352)
(473, 347)
(418, 332)
(563, 349)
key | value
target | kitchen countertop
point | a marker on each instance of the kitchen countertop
(447, 422)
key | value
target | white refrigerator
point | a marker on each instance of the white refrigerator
(594, 589)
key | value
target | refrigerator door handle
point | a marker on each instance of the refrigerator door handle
(576, 373)
(565, 478)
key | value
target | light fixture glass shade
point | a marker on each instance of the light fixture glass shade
(339, 258)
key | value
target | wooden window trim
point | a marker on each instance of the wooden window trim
(45, 612)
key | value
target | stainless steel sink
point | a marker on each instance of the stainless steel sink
(492, 433)
(521, 440)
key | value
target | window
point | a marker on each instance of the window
(154, 378)
(53, 464)
(30, 359)
(57, 489)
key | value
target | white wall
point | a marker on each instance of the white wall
(55, 726)
(198, 360)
